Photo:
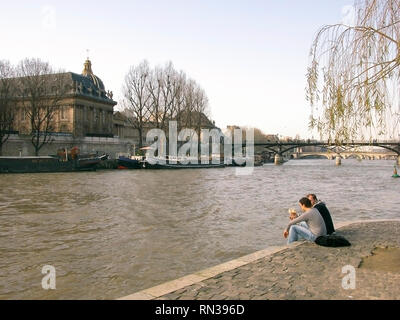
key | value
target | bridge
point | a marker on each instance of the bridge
(338, 150)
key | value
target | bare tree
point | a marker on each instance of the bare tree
(200, 109)
(172, 90)
(41, 91)
(154, 87)
(167, 99)
(353, 77)
(7, 111)
(165, 88)
(189, 98)
(179, 85)
(137, 97)
(157, 96)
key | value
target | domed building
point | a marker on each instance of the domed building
(91, 110)
(88, 73)
(85, 109)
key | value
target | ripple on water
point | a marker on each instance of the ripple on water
(112, 233)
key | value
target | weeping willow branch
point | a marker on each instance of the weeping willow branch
(352, 68)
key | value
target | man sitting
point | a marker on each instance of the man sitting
(315, 224)
(323, 210)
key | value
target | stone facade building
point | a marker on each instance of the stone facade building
(126, 128)
(85, 110)
(84, 117)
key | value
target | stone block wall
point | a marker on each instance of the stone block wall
(19, 145)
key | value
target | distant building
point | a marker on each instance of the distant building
(86, 109)
(84, 117)
(259, 136)
(125, 127)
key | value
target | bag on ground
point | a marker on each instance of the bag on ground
(332, 241)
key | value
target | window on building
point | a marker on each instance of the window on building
(64, 113)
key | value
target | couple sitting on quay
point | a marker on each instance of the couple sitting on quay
(316, 221)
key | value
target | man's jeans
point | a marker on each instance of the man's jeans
(301, 231)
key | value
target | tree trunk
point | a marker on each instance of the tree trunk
(140, 137)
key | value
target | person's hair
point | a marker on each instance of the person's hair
(305, 202)
(292, 211)
(312, 195)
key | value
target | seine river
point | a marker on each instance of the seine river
(112, 233)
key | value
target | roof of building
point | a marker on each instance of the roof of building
(88, 84)
(88, 73)
(195, 118)
(121, 118)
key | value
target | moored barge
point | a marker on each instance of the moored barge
(32, 164)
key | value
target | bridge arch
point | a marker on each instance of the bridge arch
(306, 155)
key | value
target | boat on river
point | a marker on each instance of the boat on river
(147, 165)
(178, 163)
(32, 164)
(64, 161)
(129, 162)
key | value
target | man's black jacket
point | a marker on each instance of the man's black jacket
(323, 210)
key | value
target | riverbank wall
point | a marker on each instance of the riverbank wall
(18, 145)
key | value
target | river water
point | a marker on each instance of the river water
(112, 233)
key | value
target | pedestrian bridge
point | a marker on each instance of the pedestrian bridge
(337, 150)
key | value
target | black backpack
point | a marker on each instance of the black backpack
(332, 240)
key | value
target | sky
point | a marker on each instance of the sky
(250, 57)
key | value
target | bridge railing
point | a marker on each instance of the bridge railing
(332, 143)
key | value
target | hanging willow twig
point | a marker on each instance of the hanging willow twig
(353, 76)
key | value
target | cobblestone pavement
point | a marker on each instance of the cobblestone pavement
(308, 271)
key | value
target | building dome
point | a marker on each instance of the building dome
(87, 72)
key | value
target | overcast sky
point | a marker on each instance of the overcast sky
(250, 56)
